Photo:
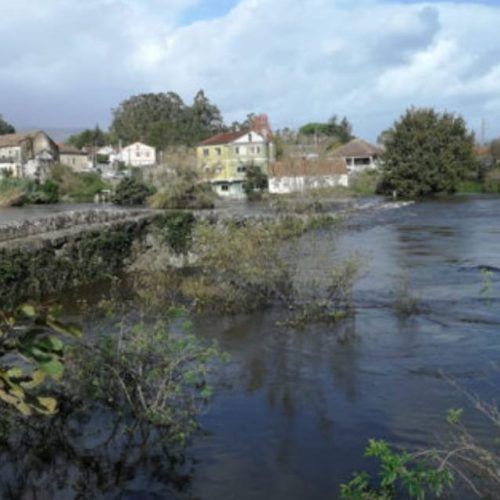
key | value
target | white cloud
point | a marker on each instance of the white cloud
(296, 60)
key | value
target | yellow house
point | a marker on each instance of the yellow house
(224, 158)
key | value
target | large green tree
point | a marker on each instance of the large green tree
(163, 119)
(89, 137)
(341, 130)
(6, 128)
(426, 152)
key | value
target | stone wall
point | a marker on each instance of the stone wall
(62, 221)
(73, 250)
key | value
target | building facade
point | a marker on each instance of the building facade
(223, 159)
(137, 155)
(74, 158)
(28, 155)
(292, 176)
(359, 155)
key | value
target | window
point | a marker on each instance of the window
(146, 154)
(224, 187)
(241, 168)
(249, 137)
(206, 152)
(218, 151)
(137, 154)
(237, 151)
(258, 149)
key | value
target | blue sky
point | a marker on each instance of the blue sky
(68, 62)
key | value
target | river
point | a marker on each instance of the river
(299, 406)
(304, 403)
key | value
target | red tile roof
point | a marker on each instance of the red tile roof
(224, 138)
(304, 168)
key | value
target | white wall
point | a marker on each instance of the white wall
(138, 155)
(282, 185)
(245, 139)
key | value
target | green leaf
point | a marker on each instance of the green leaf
(28, 310)
(53, 368)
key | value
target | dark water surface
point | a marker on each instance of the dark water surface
(298, 407)
(303, 404)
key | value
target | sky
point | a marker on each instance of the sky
(68, 63)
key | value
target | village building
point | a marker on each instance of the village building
(291, 176)
(359, 155)
(223, 159)
(74, 158)
(28, 155)
(137, 155)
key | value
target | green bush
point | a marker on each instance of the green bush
(13, 191)
(182, 192)
(75, 186)
(256, 181)
(130, 191)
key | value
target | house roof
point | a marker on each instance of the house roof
(67, 149)
(356, 147)
(224, 138)
(304, 168)
(13, 140)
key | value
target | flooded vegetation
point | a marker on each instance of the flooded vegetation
(277, 391)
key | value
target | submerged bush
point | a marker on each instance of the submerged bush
(402, 475)
(158, 377)
(239, 267)
(181, 190)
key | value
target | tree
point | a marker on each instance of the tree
(6, 128)
(255, 182)
(341, 131)
(88, 138)
(426, 152)
(205, 119)
(495, 149)
(164, 120)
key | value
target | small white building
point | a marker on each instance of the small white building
(292, 176)
(359, 155)
(137, 155)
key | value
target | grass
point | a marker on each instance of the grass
(13, 191)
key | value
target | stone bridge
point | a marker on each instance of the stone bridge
(46, 255)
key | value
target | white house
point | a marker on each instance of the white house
(359, 155)
(28, 155)
(301, 175)
(137, 155)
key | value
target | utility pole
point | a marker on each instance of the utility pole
(483, 131)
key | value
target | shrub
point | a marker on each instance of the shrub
(75, 186)
(402, 475)
(256, 181)
(183, 190)
(13, 191)
(365, 183)
(130, 191)
(157, 377)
